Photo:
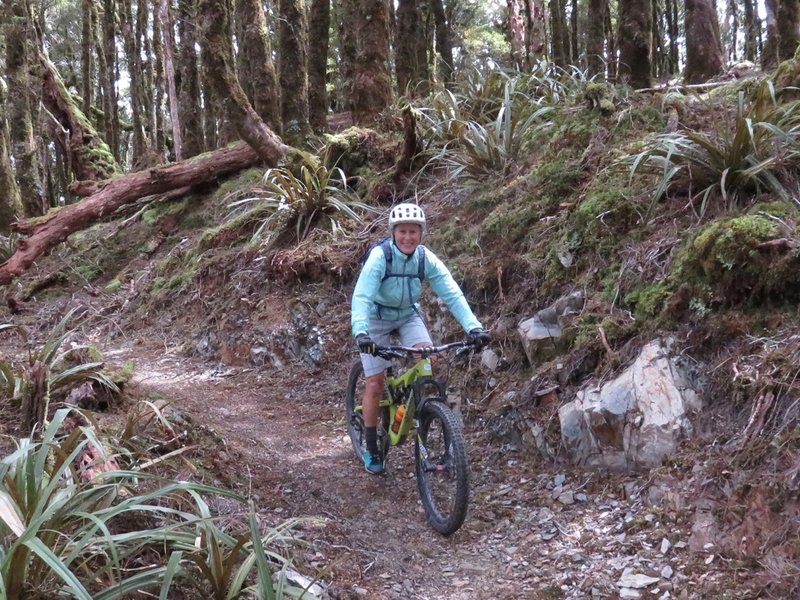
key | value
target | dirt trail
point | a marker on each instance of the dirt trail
(282, 437)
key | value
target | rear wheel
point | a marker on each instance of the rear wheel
(441, 465)
(355, 418)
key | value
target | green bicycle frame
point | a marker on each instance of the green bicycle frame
(403, 386)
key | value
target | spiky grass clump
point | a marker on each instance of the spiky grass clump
(759, 151)
(316, 197)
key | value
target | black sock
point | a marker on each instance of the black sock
(371, 438)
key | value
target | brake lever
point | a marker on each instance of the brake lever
(465, 349)
(389, 354)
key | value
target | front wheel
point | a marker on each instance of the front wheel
(354, 416)
(441, 465)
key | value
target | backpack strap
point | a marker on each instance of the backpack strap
(386, 246)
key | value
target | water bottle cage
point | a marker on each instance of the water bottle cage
(401, 395)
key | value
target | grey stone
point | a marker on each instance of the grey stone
(635, 420)
(490, 359)
(541, 334)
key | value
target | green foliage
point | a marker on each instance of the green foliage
(740, 159)
(8, 246)
(512, 224)
(648, 300)
(639, 120)
(113, 285)
(48, 371)
(480, 150)
(238, 186)
(606, 211)
(554, 181)
(483, 45)
(89, 272)
(731, 261)
(779, 209)
(317, 196)
(158, 210)
(63, 536)
(600, 96)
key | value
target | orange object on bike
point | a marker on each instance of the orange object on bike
(398, 418)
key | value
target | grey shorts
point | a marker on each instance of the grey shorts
(411, 331)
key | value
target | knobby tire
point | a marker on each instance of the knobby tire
(442, 477)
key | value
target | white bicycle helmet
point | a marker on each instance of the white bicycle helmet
(406, 213)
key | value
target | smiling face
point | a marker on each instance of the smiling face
(407, 236)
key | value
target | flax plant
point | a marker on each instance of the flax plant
(759, 151)
(482, 150)
(47, 370)
(225, 566)
(63, 537)
(317, 196)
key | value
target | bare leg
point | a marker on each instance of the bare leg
(373, 391)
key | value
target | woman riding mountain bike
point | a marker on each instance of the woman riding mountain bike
(384, 303)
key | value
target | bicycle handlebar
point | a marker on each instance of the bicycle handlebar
(388, 352)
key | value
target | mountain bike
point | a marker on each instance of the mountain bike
(414, 400)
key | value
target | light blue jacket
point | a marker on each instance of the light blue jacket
(395, 298)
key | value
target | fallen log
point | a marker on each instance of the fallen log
(47, 233)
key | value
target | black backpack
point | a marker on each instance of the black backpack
(386, 246)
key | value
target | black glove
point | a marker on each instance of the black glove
(479, 338)
(365, 344)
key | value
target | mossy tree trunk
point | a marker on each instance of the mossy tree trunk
(673, 32)
(162, 85)
(703, 46)
(293, 70)
(408, 38)
(110, 104)
(347, 13)
(783, 31)
(100, 76)
(23, 102)
(559, 36)
(88, 155)
(573, 51)
(422, 75)
(596, 36)
(87, 56)
(752, 30)
(372, 84)
(216, 43)
(188, 80)
(612, 50)
(10, 203)
(216, 58)
(516, 32)
(635, 42)
(444, 43)
(133, 54)
(319, 24)
(254, 62)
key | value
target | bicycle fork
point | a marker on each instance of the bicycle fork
(426, 463)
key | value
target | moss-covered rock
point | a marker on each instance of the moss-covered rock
(787, 80)
(351, 149)
(740, 259)
(604, 212)
(600, 96)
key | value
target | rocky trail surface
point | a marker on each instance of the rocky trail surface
(534, 530)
